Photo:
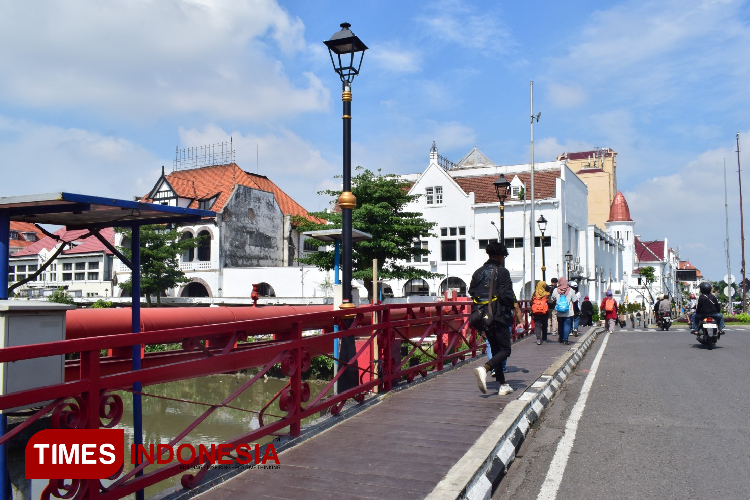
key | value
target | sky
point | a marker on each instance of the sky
(96, 96)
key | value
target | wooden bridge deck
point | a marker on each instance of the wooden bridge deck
(401, 447)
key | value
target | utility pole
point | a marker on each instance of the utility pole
(742, 226)
(532, 219)
(730, 307)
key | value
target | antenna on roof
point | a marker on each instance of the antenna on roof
(257, 159)
(205, 156)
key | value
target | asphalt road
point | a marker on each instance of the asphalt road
(664, 418)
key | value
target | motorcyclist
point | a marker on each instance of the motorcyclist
(692, 303)
(664, 308)
(707, 307)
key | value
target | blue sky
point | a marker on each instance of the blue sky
(95, 96)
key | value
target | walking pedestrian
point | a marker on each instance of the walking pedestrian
(576, 307)
(552, 316)
(608, 308)
(632, 321)
(564, 297)
(587, 311)
(539, 308)
(491, 285)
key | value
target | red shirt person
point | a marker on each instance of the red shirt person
(608, 310)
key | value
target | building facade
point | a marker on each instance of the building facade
(461, 200)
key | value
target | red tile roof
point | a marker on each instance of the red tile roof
(619, 211)
(649, 251)
(90, 244)
(484, 189)
(21, 242)
(205, 182)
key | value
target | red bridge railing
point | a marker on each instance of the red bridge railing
(90, 402)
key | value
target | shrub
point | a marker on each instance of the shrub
(595, 316)
(61, 297)
(101, 304)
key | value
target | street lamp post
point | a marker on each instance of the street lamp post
(345, 46)
(542, 223)
(346, 51)
(502, 186)
(568, 259)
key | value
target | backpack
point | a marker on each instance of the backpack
(539, 306)
(562, 304)
(609, 305)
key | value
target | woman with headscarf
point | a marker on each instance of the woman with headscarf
(587, 311)
(539, 307)
(564, 296)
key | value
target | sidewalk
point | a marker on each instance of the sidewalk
(438, 439)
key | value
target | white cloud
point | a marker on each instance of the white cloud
(565, 96)
(145, 59)
(42, 159)
(653, 52)
(549, 148)
(455, 22)
(291, 162)
(687, 207)
(391, 58)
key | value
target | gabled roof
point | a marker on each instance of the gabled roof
(21, 242)
(90, 244)
(483, 188)
(219, 180)
(649, 251)
(475, 158)
(619, 211)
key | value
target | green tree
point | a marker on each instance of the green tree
(61, 297)
(160, 267)
(381, 200)
(648, 273)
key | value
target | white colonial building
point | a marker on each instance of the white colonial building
(461, 200)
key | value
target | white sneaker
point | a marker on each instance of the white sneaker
(504, 389)
(481, 374)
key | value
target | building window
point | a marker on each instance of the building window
(418, 245)
(311, 245)
(67, 276)
(434, 195)
(204, 247)
(80, 266)
(53, 277)
(93, 277)
(11, 278)
(14, 235)
(29, 236)
(417, 286)
(67, 266)
(483, 243)
(21, 269)
(453, 250)
(516, 243)
(187, 255)
(514, 192)
(538, 241)
(80, 276)
(93, 265)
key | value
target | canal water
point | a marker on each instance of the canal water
(164, 419)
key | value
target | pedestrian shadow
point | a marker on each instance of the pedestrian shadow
(701, 346)
(515, 369)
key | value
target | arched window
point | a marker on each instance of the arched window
(418, 287)
(189, 254)
(266, 290)
(204, 247)
(456, 283)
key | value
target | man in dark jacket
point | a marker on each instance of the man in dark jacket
(503, 304)
(708, 306)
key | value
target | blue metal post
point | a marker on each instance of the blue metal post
(336, 281)
(135, 280)
(4, 257)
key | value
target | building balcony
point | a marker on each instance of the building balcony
(197, 266)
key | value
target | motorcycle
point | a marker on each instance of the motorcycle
(664, 322)
(708, 333)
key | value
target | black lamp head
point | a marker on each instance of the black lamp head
(345, 45)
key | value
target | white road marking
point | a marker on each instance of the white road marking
(560, 461)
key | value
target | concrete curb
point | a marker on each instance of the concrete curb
(481, 468)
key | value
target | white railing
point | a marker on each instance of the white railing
(197, 266)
